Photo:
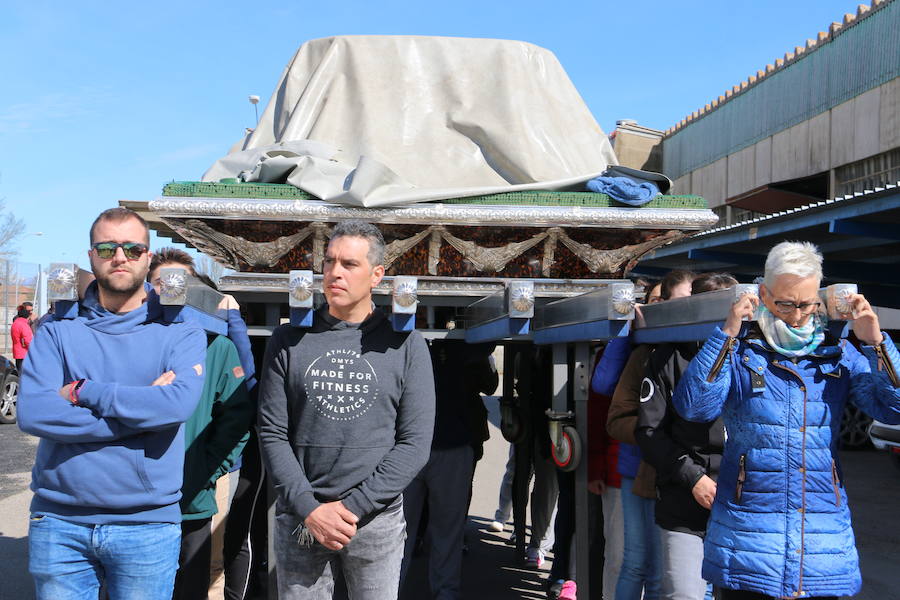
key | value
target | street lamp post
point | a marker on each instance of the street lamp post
(254, 100)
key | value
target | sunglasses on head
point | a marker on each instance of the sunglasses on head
(107, 250)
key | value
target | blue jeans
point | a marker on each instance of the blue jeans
(69, 560)
(642, 558)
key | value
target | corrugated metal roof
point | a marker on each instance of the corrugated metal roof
(799, 209)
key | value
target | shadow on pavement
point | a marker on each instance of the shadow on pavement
(16, 583)
(490, 569)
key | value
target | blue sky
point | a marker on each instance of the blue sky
(105, 101)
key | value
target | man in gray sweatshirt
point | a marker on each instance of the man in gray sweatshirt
(346, 414)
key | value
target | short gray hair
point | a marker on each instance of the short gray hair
(802, 259)
(359, 228)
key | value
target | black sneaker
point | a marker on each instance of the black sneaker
(554, 588)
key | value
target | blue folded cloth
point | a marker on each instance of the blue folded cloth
(624, 189)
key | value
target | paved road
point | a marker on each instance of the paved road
(16, 457)
(490, 568)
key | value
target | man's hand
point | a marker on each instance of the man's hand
(704, 492)
(638, 315)
(66, 391)
(228, 302)
(165, 379)
(745, 306)
(596, 487)
(865, 323)
(332, 525)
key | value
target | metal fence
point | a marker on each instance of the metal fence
(19, 282)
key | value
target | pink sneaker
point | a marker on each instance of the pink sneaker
(534, 557)
(568, 591)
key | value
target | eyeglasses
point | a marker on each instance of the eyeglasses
(107, 250)
(785, 307)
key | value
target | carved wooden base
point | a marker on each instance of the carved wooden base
(450, 251)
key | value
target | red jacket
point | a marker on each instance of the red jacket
(602, 450)
(21, 337)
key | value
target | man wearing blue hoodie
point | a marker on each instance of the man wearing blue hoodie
(108, 392)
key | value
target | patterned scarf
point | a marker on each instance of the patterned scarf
(791, 341)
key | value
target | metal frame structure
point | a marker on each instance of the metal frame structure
(565, 316)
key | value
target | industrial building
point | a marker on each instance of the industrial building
(808, 148)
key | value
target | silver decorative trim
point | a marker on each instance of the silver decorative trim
(492, 260)
(300, 286)
(434, 249)
(622, 300)
(61, 282)
(173, 286)
(232, 249)
(610, 261)
(426, 285)
(837, 301)
(405, 294)
(549, 258)
(437, 213)
(743, 289)
(321, 233)
(521, 298)
(842, 301)
(398, 248)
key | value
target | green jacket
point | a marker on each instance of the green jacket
(215, 434)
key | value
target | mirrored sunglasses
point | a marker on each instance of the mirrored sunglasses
(107, 250)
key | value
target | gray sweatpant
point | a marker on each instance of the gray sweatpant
(370, 563)
(682, 555)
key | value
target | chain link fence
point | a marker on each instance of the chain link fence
(19, 282)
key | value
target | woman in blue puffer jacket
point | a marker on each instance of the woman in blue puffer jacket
(780, 525)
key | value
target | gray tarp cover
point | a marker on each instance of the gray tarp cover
(391, 120)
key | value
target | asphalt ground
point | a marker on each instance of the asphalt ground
(16, 458)
(17, 451)
(491, 568)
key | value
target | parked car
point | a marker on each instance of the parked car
(9, 390)
(886, 437)
(854, 428)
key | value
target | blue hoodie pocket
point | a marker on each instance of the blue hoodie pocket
(140, 469)
(94, 475)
